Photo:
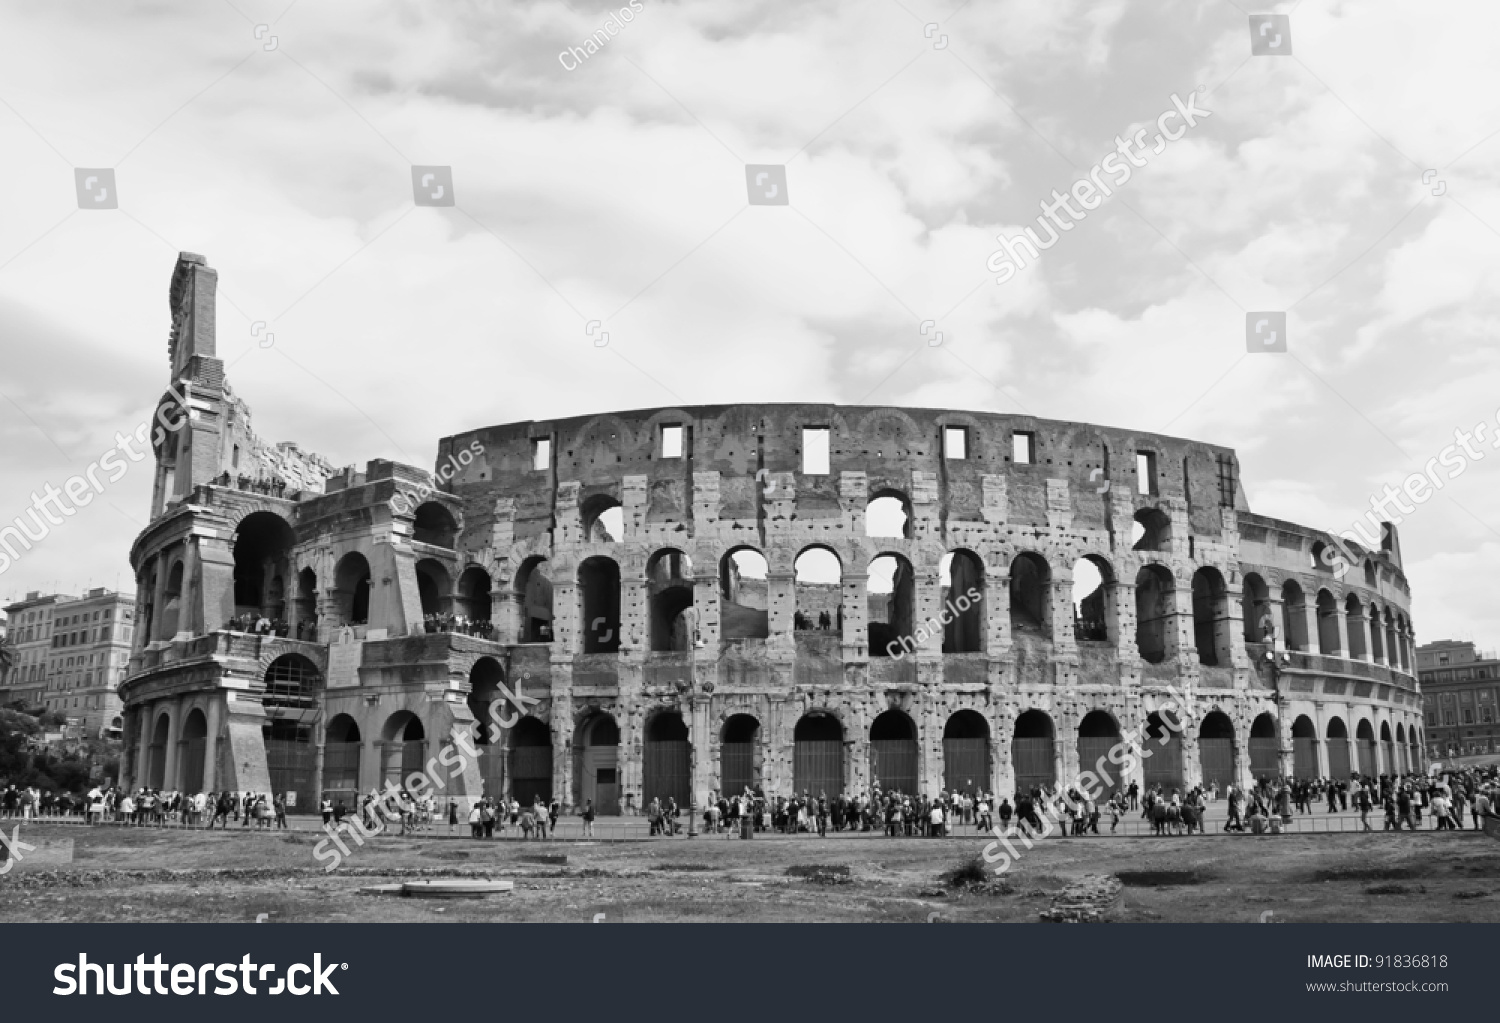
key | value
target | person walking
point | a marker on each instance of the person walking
(280, 805)
(327, 809)
(588, 819)
(1362, 800)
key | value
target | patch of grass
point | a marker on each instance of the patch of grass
(969, 873)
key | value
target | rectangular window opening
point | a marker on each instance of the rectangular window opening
(671, 441)
(1145, 471)
(541, 453)
(815, 446)
(956, 442)
(1023, 448)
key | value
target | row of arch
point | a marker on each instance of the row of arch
(1382, 635)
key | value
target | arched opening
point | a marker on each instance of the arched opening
(1321, 557)
(1032, 751)
(474, 595)
(669, 589)
(603, 519)
(1265, 748)
(667, 771)
(307, 604)
(171, 607)
(961, 575)
(434, 524)
(596, 763)
(966, 753)
(818, 754)
(1094, 619)
(534, 594)
(1377, 635)
(738, 770)
(1304, 748)
(1151, 531)
(1211, 622)
(894, 759)
(351, 582)
(1328, 624)
(1216, 749)
(1030, 596)
(341, 756)
(194, 751)
(1163, 739)
(1098, 736)
(435, 589)
(1293, 616)
(1354, 617)
(530, 763)
(817, 582)
(1392, 648)
(892, 598)
(263, 545)
(1255, 605)
(1364, 746)
(1155, 613)
(485, 680)
(293, 685)
(888, 515)
(403, 748)
(599, 602)
(1402, 763)
(1388, 749)
(1404, 642)
(292, 681)
(156, 753)
(1338, 749)
(744, 597)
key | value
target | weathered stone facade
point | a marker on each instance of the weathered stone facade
(649, 680)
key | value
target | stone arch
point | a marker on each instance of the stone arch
(533, 596)
(1293, 616)
(967, 766)
(1216, 740)
(1098, 740)
(351, 582)
(1164, 741)
(473, 599)
(596, 762)
(194, 750)
(434, 587)
(888, 514)
(1255, 604)
(892, 619)
(1337, 734)
(1211, 622)
(670, 598)
(1033, 750)
(1155, 613)
(599, 605)
(262, 551)
(744, 594)
(530, 764)
(433, 524)
(818, 753)
(156, 752)
(1328, 623)
(895, 759)
(739, 754)
(602, 518)
(1095, 615)
(961, 576)
(817, 582)
(1031, 595)
(1265, 747)
(666, 767)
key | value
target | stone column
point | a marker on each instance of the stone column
(174, 731)
(211, 745)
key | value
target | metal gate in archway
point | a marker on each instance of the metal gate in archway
(1034, 763)
(1338, 758)
(1164, 766)
(818, 766)
(1304, 757)
(966, 765)
(894, 766)
(667, 771)
(1265, 758)
(1093, 756)
(1217, 759)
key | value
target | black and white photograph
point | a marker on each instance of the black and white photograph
(882, 461)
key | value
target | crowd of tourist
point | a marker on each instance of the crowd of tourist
(146, 807)
(433, 622)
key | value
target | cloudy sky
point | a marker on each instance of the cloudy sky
(913, 134)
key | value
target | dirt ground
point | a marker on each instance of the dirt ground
(157, 876)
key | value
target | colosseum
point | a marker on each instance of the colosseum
(789, 597)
